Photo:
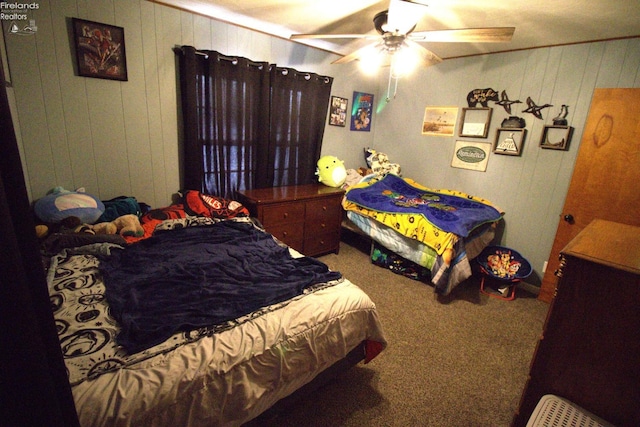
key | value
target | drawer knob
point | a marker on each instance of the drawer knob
(324, 208)
(286, 215)
(284, 234)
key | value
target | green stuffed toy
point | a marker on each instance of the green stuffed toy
(331, 171)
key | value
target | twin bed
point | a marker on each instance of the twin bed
(440, 230)
(205, 320)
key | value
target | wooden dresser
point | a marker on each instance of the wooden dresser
(305, 217)
(589, 352)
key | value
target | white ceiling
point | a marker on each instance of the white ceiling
(538, 23)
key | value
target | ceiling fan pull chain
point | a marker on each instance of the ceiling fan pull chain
(395, 87)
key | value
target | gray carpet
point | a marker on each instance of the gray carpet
(458, 361)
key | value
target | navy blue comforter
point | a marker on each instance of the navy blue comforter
(194, 277)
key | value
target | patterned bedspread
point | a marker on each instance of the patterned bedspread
(85, 322)
(437, 218)
(430, 227)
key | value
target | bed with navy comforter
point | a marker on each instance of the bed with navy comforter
(205, 320)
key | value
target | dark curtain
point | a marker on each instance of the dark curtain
(299, 104)
(34, 389)
(225, 117)
(247, 124)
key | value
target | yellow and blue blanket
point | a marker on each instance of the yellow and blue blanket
(437, 218)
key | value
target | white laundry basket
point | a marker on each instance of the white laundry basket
(554, 411)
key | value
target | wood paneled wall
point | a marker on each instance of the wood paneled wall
(530, 188)
(123, 138)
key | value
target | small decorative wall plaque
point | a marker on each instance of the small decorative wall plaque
(509, 141)
(556, 137)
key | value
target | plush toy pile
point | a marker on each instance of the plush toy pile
(64, 212)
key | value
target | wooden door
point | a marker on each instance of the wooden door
(606, 178)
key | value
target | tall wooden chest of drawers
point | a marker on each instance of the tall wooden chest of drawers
(305, 217)
(589, 352)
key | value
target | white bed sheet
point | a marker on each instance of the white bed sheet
(233, 376)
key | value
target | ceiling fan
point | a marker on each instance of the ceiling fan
(395, 28)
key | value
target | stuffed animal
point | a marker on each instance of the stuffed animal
(380, 164)
(60, 204)
(331, 171)
(125, 225)
(70, 224)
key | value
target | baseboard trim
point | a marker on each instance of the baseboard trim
(529, 287)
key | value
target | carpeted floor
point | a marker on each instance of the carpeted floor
(459, 361)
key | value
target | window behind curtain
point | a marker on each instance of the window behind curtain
(299, 104)
(247, 124)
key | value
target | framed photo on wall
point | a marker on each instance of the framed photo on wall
(362, 111)
(475, 122)
(439, 121)
(509, 141)
(338, 111)
(100, 50)
(556, 137)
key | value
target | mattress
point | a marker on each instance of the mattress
(445, 277)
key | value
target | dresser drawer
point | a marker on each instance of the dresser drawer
(327, 209)
(322, 226)
(291, 234)
(322, 243)
(305, 217)
(288, 213)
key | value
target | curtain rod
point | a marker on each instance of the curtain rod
(233, 59)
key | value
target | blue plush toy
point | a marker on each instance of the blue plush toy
(60, 204)
(331, 171)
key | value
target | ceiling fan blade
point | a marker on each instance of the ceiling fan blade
(403, 16)
(356, 54)
(427, 57)
(466, 35)
(334, 36)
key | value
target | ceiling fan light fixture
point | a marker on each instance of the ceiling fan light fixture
(371, 60)
(403, 62)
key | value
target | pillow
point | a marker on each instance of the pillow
(151, 219)
(61, 204)
(196, 203)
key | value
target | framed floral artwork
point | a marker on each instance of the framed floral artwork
(100, 50)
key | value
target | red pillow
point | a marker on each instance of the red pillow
(196, 203)
(151, 219)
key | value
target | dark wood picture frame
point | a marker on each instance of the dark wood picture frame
(509, 141)
(475, 122)
(556, 137)
(338, 111)
(100, 50)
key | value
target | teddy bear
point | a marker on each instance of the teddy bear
(125, 225)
